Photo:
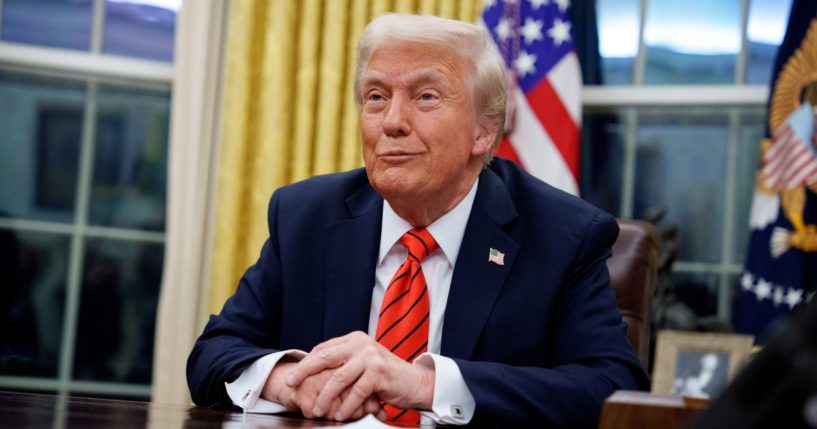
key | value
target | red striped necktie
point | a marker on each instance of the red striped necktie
(402, 326)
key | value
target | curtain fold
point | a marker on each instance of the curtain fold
(193, 146)
(289, 111)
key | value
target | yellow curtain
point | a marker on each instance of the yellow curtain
(289, 111)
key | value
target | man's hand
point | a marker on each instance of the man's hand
(275, 389)
(303, 397)
(361, 369)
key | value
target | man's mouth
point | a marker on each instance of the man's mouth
(397, 155)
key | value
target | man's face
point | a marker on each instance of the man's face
(421, 138)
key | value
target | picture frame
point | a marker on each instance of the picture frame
(698, 364)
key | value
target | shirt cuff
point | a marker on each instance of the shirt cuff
(245, 391)
(453, 402)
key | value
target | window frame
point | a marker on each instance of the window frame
(94, 68)
(733, 98)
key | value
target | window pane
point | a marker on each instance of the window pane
(130, 158)
(39, 151)
(767, 25)
(698, 291)
(140, 28)
(751, 132)
(33, 270)
(618, 39)
(681, 167)
(603, 160)
(117, 314)
(691, 44)
(55, 23)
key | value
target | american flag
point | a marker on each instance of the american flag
(544, 87)
(790, 161)
(496, 256)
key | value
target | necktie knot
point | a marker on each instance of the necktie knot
(419, 243)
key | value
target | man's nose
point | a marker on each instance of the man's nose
(397, 120)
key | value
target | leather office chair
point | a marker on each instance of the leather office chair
(633, 268)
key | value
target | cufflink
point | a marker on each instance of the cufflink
(457, 411)
(247, 393)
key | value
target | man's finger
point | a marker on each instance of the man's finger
(336, 404)
(315, 362)
(286, 400)
(333, 409)
(303, 403)
(340, 380)
(371, 405)
(358, 393)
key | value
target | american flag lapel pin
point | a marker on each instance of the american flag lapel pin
(496, 257)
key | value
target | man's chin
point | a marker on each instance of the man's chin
(394, 184)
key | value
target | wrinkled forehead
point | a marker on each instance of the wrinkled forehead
(416, 61)
(373, 76)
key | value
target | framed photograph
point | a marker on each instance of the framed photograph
(697, 364)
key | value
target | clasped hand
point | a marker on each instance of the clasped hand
(346, 378)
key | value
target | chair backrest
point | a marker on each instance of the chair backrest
(633, 269)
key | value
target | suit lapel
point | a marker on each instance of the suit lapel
(476, 282)
(351, 256)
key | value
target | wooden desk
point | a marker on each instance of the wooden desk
(28, 410)
(642, 410)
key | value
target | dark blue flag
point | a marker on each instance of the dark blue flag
(781, 262)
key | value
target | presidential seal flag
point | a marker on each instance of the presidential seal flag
(781, 263)
(544, 87)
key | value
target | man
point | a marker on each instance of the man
(484, 291)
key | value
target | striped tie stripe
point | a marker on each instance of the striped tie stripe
(402, 326)
(401, 318)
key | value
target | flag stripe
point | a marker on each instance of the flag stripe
(796, 166)
(545, 104)
(784, 171)
(565, 81)
(789, 162)
(537, 151)
(777, 152)
(802, 174)
(785, 136)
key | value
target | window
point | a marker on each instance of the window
(677, 127)
(85, 90)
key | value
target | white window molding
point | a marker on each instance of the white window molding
(63, 60)
(594, 96)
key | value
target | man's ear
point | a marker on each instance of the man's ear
(484, 140)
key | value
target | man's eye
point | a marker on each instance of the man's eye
(375, 97)
(428, 97)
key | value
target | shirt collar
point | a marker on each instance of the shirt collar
(447, 230)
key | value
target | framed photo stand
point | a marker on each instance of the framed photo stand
(697, 364)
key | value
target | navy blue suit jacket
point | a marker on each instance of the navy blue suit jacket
(538, 340)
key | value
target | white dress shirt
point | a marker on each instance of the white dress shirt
(453, 402)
